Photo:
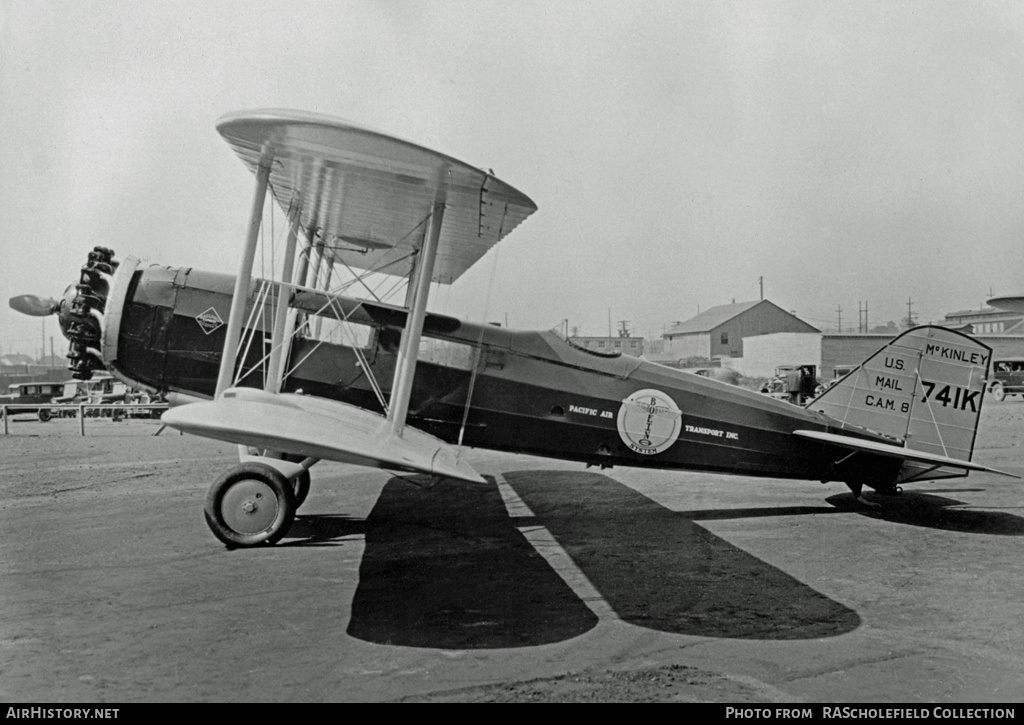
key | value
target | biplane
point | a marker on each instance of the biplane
(294, 368)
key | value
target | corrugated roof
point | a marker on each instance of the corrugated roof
(711, 318)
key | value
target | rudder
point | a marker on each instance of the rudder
(924, 388)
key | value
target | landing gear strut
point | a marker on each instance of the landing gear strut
(252, 505)
(858, 494)
(300, 487)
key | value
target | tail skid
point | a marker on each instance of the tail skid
(924, 390)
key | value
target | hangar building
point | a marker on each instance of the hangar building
(987, 320)
(719, 332)
(834, 352)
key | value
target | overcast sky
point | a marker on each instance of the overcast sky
(846, 152)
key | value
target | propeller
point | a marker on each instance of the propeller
(80, 312)
(35, 305)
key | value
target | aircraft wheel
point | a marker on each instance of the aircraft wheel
(43, 414)
(250, 505)
(300, 487)
(998, 392)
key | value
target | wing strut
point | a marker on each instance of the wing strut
(242, 281)
(281, 340)
(408, 351)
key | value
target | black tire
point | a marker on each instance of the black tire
(43, 414)
(998, 392)
(250, 505)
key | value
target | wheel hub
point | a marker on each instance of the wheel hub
(249, 506)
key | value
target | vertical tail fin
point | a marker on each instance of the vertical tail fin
(924, 388)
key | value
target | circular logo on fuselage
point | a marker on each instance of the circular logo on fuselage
(649, 421)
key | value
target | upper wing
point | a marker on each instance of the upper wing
(367, 194)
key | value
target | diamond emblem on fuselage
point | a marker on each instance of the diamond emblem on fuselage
(209, 320)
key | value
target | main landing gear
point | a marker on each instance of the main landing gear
(857, 487)
(254, 504)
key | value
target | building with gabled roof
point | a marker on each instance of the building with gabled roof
(718, 332)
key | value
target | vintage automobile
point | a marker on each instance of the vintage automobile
(30, 394)
(838, 373)
(795, 383)
(99, 390)
(1007, 378)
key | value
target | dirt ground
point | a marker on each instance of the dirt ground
(552, 583)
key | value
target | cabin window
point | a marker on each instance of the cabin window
(445, 352)
(725, 338)
(340, 332)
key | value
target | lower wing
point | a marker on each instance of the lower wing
(320, 428)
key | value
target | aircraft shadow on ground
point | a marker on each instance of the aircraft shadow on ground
(917, 508)
(659, 569)
(323, 530)
(448, 568)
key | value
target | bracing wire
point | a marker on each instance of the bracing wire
(324, 278)
(260, 307)
(480, 352)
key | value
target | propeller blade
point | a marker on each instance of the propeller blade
(34, 305)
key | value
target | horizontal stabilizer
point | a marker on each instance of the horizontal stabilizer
(885, 449)
(318, 427)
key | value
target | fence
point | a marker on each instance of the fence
(115, 411)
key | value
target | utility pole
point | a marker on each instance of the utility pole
(910, 312)
(839, 312)
(862, 317)
(760, 282)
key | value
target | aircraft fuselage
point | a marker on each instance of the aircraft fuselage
(527, 391)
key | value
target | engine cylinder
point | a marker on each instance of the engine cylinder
(80, 320)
